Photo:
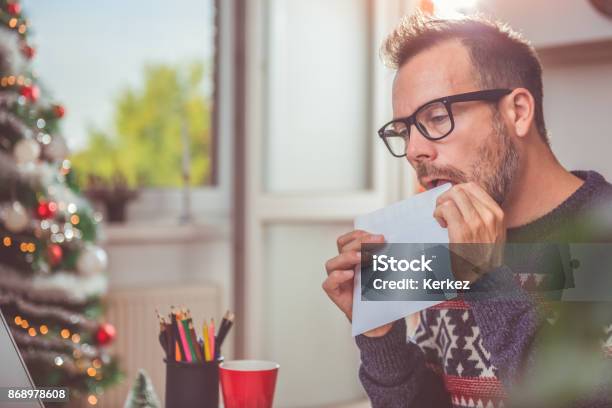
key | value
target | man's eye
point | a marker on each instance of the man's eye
(439, 118)
(396, 133)
(403, 133)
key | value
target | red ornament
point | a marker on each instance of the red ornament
(59, 111)
(46, 209)
(28, 51)
(31, 92)
(14, 8)
(55, 254)
(106, 333)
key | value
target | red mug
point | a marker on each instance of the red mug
(248, 383)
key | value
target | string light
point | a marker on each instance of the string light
(18, 320)
(44, 329)
(12, 22)
(74, 219)
(11, 80)
(91, 372)
(80, 364)
(45, 138)
(59, 361)
(97, 363)
(76, 338)
(24, 323)
(68, 232)
(65, 333)
(32, 331)
(27, 247)
(7, 241)
(22, 29)
(92, 399)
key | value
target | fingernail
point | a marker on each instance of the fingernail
(359, 254)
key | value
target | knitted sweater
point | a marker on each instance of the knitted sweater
(468, 353)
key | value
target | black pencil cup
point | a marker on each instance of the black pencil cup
(192, 385)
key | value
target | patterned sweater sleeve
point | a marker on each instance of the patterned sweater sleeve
(394, 374)
(509, 319)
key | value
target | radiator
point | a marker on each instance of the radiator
(132, 312)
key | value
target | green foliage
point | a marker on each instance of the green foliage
(87, 224)
(72, 182)
(145, 147)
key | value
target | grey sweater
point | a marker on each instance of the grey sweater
(469, 353)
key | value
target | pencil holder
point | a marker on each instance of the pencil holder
(192, 385)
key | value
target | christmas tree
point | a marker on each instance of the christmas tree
(51, 271)
(142, 394)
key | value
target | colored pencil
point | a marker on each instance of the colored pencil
(177, 351)
(183, 338)
(176, 335)
(194, 339)
(211, 337)
(189, 340)
(206, 342)
(179, 341)
(162, 334)
(226, 325)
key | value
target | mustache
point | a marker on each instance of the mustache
(424, 169)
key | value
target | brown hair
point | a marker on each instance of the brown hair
(501, 57)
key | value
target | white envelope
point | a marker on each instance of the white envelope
(408, 221)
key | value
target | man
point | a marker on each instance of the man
(467, 103)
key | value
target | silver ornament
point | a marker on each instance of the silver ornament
(26, 151)
(16, 217)
(92, 260)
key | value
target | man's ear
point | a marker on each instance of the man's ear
(520, 110)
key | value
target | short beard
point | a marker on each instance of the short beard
(497, 162)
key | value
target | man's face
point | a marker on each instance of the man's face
(479, 148)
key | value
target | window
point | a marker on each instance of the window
(139, 83)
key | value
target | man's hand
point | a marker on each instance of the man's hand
(472, 217)
(340, 273)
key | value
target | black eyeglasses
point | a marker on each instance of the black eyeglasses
(434, 119)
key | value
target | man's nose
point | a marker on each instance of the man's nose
(420, 148)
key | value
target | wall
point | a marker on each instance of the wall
(551, 23)
(577, 107)
(574, 42)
